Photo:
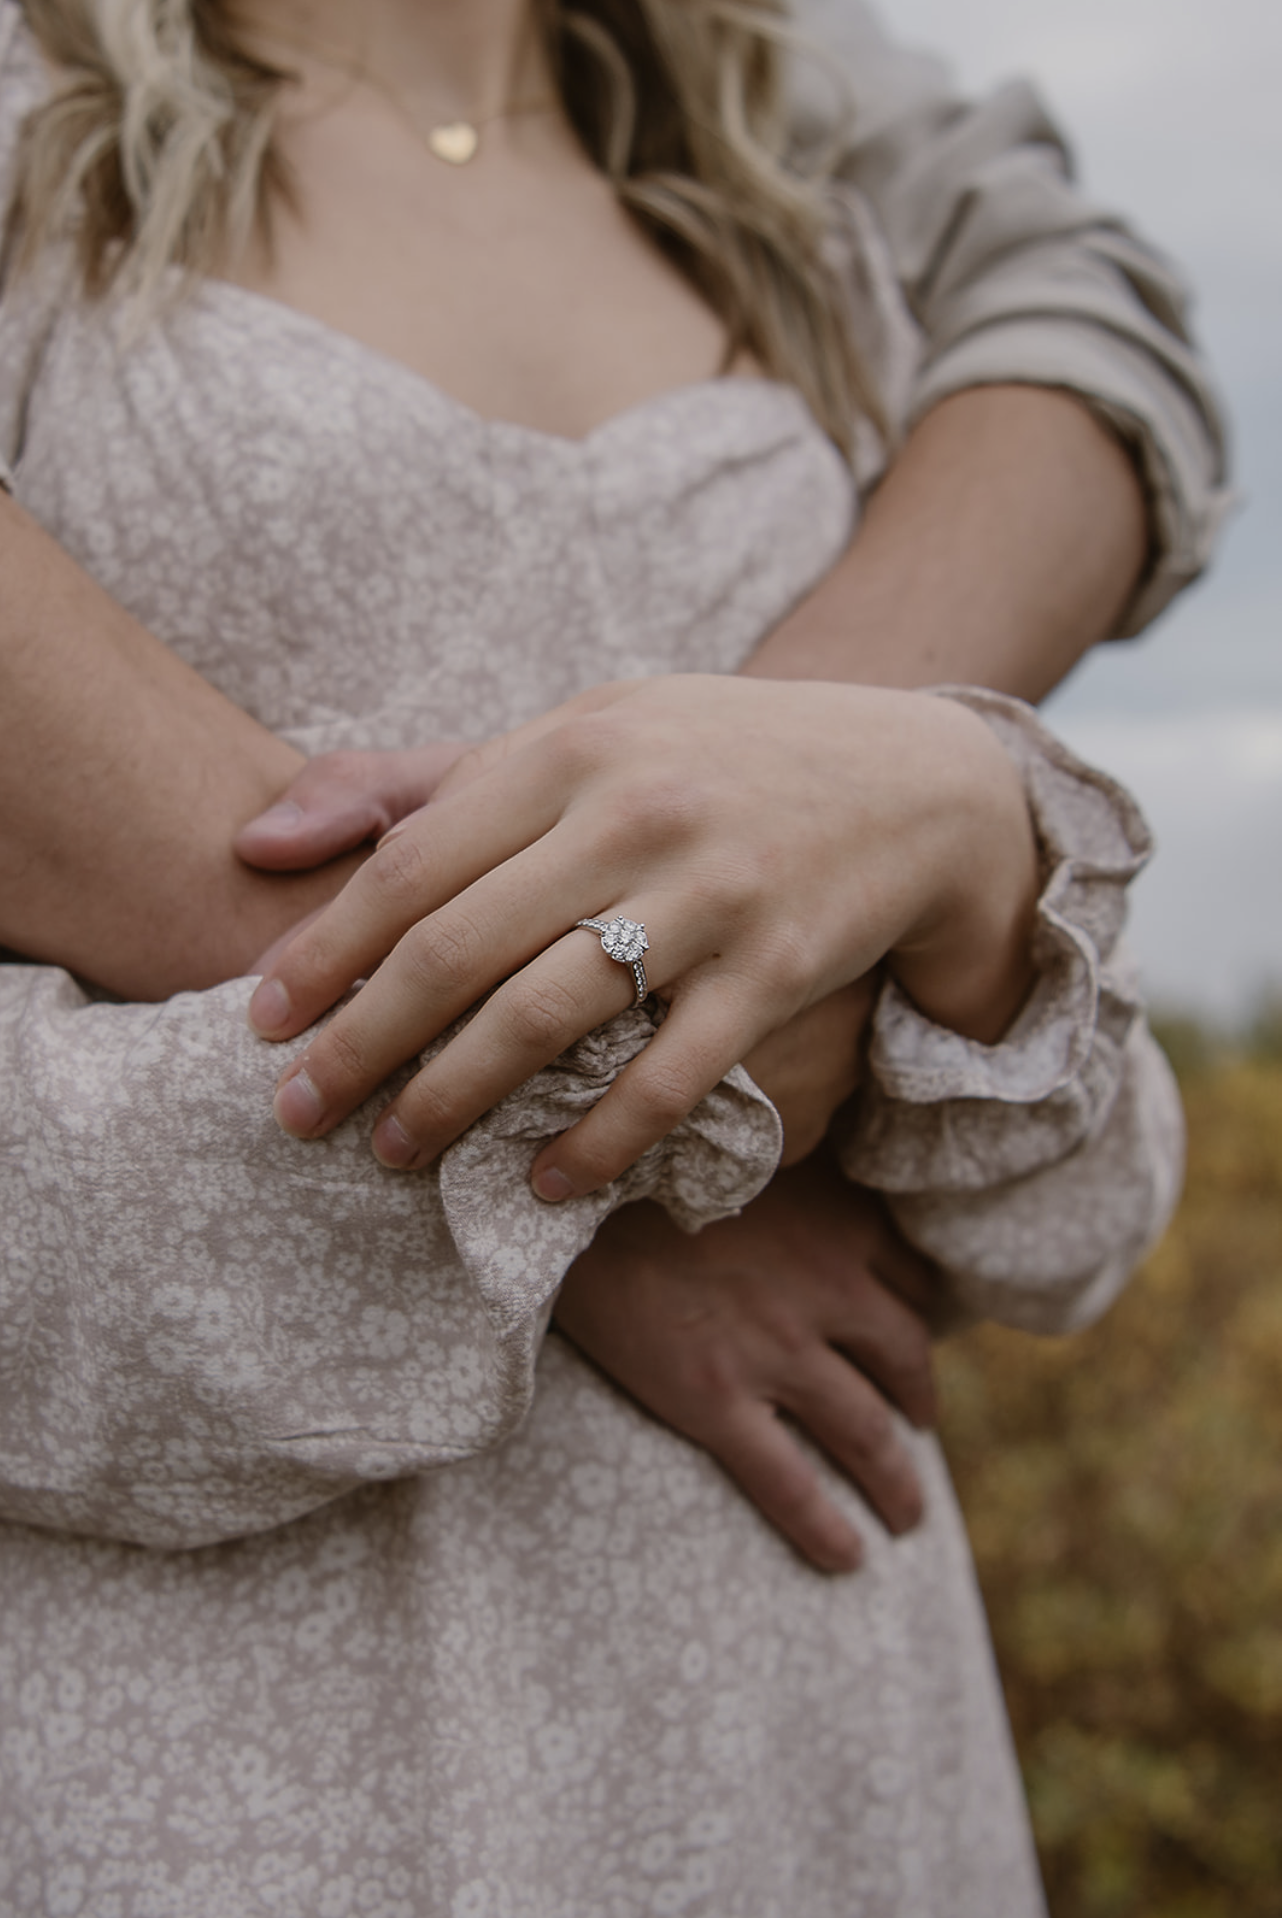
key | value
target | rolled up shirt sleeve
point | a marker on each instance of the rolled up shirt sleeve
(1014, 277)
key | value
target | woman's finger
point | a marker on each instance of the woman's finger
(440, 853)
(770, 1468)
(436, 972)
(565, 992)
(525, 1025)
(699, 1041)
(848, 1417)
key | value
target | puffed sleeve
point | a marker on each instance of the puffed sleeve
(1013, 276)
(1038, 1171)
(207, 1328)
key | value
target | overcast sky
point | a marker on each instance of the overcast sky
(1175, 109)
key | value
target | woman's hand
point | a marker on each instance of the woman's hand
(807, 1068)
(340, 798)
(777, 840)
(802, 1312)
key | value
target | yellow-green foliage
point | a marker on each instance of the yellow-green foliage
(1124, 1495)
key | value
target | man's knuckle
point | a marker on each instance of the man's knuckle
(778, 1326)
(794, 1487)
(711, 1378)
(919, 1364)
(875, 1435)
(911, 1504)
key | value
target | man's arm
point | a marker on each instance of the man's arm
(123, 778)
(996, 551)
(1014, 276)
(1002, 544)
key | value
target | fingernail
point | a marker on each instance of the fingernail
(298, 1106)
(284, 816)
(270, 1008)
(392, 1143)
(551, 1184)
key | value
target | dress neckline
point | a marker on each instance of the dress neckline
(396, 371)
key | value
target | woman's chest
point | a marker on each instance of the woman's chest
(351, 554)
(516, 282)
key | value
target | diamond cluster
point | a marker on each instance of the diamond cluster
(624, 940)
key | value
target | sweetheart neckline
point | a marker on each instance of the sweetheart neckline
(298, 319)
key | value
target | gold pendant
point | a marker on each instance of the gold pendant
(455, 143)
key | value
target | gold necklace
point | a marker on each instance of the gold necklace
(453, 141)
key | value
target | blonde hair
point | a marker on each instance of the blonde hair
(154, 152)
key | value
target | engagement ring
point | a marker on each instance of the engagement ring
(623, 940)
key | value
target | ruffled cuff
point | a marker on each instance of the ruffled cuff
(516, 1248)
(943, 1113)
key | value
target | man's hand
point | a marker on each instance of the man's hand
(340, 801)
(804, 1311)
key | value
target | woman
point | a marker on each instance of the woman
(568, 1674)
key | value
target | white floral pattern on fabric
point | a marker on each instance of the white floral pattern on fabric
(208, 1330)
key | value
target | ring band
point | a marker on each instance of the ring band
(623, 940)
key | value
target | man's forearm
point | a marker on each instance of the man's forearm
(1008, 537)
(1002, 544)
(123, 777)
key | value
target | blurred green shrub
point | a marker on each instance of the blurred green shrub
(1124, 1494)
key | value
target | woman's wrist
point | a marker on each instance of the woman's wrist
(967, 963)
